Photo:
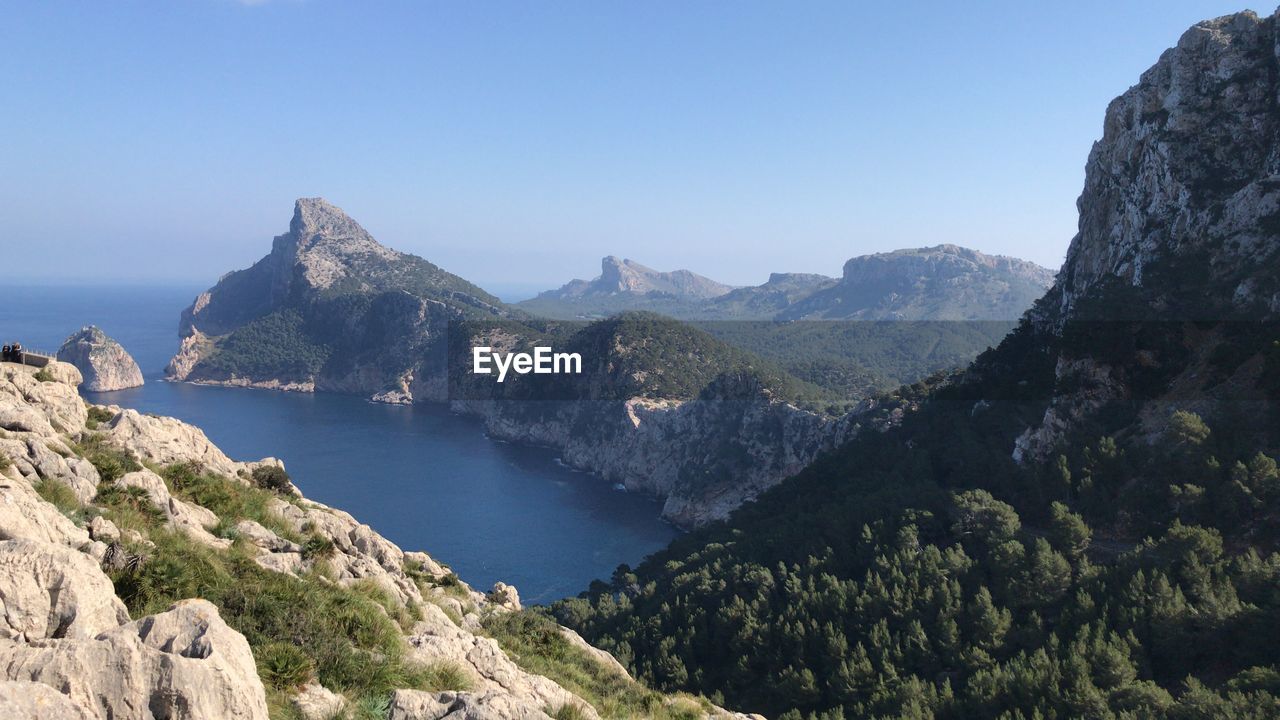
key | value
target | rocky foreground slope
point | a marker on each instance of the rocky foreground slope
(147, 575)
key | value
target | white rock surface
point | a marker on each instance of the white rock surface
(103, 362)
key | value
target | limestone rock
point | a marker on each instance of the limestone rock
(184, 662)
(497, 674)
(264, 538)
(192, 520)
(24, 515)
(34, 701)
(51, 591)
(316, 702)
(166, 440)
(505, 596)
(58, 402)
(103, 362)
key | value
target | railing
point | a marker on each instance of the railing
(36, 358)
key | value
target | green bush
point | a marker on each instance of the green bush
(352, 644)
(44, 375)
(230, 500)
(131, 507)
(273, 478)
(535, 642)
(318, 546)
(97, 416)
(58, 494)
(283, 665)
(111, 462)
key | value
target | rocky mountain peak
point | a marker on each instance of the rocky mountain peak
(327, 243)
(1183, 189)
(621, 276)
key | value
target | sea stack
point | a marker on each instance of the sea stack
(105, 364)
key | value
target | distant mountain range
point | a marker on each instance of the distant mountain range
(946, 282)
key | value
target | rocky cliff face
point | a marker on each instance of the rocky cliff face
(68, 647)
(1186, 176)
(103, 362)
(1179, 221)
(946, 282)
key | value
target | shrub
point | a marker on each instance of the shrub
(111, 462)
(318, 546)
(97, 416)
(4, 462)
(273, 478)
(283, 665)
(131, 506)
(353, 646)
(231, 500)
(44, 375)
(59, 495)
(535, 642)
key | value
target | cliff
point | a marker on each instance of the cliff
(103, 362)
(1178, 222)
(112, 522)
(946, 282)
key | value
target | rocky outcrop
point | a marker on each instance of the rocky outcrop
(946, 282)
(1178, 222)
(68, 648)
(626, 285)
(731, 447)
(1184, 179)
(103, 362)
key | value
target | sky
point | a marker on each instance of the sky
(516, 143)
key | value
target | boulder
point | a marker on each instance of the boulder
(183, 663)
(52, 591)
(316, 702)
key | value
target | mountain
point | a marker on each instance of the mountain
(150, 575)
(764, 302)
(946, 282)
(329, 309)
(625, 285)
(1083, 523)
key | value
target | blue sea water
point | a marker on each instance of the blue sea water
(423, 477)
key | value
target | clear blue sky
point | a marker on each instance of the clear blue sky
(517, 143)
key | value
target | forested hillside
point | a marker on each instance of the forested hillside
(1081, 524)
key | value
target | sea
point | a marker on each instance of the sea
(424, 477)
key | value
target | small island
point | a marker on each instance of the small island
(105, 364)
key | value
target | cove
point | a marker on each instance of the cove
(423, 477)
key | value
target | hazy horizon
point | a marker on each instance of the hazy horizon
(517, 145)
